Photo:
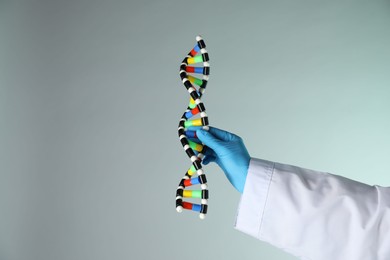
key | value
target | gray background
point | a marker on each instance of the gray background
(90, 100)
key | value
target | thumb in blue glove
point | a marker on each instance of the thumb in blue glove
(229, 152)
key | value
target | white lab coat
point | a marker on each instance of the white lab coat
(315, 215)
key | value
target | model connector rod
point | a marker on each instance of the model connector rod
(193, 147)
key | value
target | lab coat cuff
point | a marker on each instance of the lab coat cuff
(254, 198)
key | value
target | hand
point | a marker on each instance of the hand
(229, 152)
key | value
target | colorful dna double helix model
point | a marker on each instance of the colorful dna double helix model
(191, 144)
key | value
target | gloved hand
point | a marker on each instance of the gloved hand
(229, 152)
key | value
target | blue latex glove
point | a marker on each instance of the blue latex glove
(229, 152)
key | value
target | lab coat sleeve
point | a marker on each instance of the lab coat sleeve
(315, 215)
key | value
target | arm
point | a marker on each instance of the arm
(311, 214)
(315, 215)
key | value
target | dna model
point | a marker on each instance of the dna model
(191, 144)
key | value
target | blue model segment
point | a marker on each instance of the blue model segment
(188, 114)
(195, 181)
(198, 70)
(196, 207)
(196, 48)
